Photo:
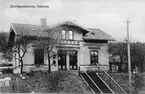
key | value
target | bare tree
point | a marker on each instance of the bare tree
(48, 40)
(4, 46)
(20, 47)
(3, 40)
(120, 49)
(138, 55)
(52, 39)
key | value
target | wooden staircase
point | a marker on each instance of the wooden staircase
(95, 83)
(97, 80)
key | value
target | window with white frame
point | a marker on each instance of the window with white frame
(63, 34)
(70, 35)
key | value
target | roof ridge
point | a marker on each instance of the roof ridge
(94, 28)
(71, 21)
(25, 24)
(61, 22)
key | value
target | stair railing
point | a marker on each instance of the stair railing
(89, 78)
(100, 70)
(106, 84)
(87, 84)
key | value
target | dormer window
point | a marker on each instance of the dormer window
(70, 35)
(63, 34)
(92, 33)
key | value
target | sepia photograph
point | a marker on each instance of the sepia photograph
(72, 46)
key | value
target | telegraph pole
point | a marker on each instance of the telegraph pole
(129, 59)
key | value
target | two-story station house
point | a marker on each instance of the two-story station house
(80, 46)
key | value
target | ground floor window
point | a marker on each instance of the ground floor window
(62, 59)
(39, 56)
(93, 57)
(67, 58)
(73, 59)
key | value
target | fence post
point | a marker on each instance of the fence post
(1, 85)
(17, 85)
(98, 70)
(79, 70)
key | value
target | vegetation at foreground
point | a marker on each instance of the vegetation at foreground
(57, 82)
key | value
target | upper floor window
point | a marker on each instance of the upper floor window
(70, 35)
(63, 34)
(94, 57)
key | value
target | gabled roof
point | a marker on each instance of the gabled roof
(116, 59)
(97, 34)
(38, 30)
(70, 23)
(29, 29)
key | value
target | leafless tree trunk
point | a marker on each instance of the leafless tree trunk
(48, 42)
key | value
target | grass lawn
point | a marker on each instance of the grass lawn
(56, 82)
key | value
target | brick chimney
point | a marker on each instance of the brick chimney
(43, 22)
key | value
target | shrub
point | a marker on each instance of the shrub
(8, 70)
(6, 65)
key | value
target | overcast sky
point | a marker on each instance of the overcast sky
(107, 15)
